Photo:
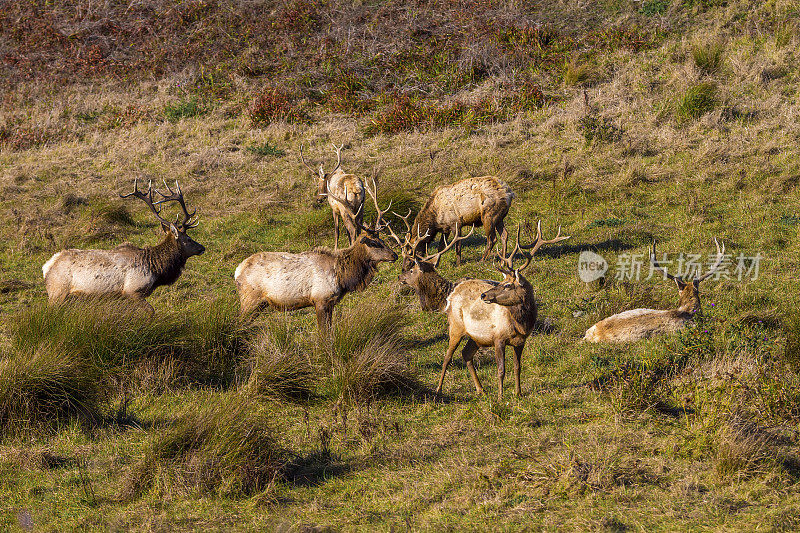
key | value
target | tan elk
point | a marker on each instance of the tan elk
(318, 278)
(638, 324)
(127, 270)
(344, 193)
(482, 201)
(492, 314)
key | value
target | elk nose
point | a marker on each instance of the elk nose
(485, 297)
(202, 250)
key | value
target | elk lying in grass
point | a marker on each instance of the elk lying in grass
(637, 324)
(318, 278)
(345, 195)
(490, 313)
(127, 270)
(482, 201)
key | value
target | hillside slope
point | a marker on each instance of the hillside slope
(623, 122)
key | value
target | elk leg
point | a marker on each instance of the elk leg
(491, 239)
(469, 351)
(500, 356)
(448, 356)
(517, 366)
(335, 232)
(324, 317)
(141, 303)
(456, 235)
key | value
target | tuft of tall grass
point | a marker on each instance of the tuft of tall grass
(183, 109)
(364, 355)
(697, 101)
(277, 366)
(708, 57)
(226, 448)
(46, 386)
(203, 341)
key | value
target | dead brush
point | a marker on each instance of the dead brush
(226, 448)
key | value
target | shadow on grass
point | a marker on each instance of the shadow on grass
(315, 468)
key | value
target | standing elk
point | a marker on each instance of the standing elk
(492, 314)
(127, 270)
(345, 195)
(482, 201)
(318, 278)
(638, 324)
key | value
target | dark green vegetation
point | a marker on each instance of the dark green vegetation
(622, 121)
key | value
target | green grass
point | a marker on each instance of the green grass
(176, 111)
(190, 419)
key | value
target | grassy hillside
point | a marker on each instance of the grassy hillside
(621, 121)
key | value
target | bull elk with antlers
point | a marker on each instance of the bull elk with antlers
(344, 193)
(127, 270)
(638, 324)
(318, 278)
(482, 201)
(490, 313)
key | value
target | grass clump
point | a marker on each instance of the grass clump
(266, 149)
(697, 101)
(365, 356)
(225, 448)
(48, 386)
(653, 7)
(183, 109)
(203, 343)
(708, 57)
(277, 365)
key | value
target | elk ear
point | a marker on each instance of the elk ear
(174, 229)
(679, 282)
(516, 277)
(321, 173)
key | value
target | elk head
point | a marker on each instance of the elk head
(689, 290)
(177, 229)
(512, 290)
(370, 235)
(322, 177)
(416, 265)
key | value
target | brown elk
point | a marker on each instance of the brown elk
(482, 201)
(344, 193)
(638, 324)
(127, 270)
(318, 278)
(490, 313)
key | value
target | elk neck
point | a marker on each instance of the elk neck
(354, 269)
(689, 302)
(524, 313)
(433, 291)
(425, 219)
(165, 260)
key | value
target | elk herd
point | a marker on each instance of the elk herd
(487, 313)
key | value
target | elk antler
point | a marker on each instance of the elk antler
(376, 227)
(338, 157)
(720, 257)
(507, 260)
(434, 258)
(306, 164)
(146, 198)
(177, 196)
(406, 242)
(659, 267)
